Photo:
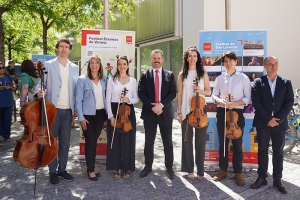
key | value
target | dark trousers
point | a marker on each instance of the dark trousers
(165, 128)
(5, 121)
(91, 135)
(187, 154)
(278, 141)
(237, 143)
(61, 129)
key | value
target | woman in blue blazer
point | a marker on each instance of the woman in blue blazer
(91, 110)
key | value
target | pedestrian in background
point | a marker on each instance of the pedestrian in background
(29, 79)
(7, 86)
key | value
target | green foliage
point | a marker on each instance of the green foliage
(33, 26)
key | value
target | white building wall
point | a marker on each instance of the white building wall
(192, 21)
(280, 18)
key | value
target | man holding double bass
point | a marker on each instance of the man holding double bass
(60, 83)
(237, 86)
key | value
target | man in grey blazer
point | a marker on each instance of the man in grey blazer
(60, 84)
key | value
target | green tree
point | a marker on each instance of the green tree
(5, 6)
(50, 19)
(70, 16)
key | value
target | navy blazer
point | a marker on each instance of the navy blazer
(264, 103)
(146, 92)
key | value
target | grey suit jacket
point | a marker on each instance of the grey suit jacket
(53, 82)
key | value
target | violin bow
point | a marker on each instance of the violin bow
(186, 127)
(224, 130)
(112, 140)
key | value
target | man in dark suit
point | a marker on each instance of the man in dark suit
(157, 89)
(272, 98)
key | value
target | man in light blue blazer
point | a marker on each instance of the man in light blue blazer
(60, 85)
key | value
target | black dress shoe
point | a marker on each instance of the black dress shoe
(92, 178)
(281, 188)
(170, 173)
(98, 174)
(258, 183)
(145, 172)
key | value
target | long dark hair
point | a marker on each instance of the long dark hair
(199, 65)
(28, 67)
(117, 72)
(100, 71)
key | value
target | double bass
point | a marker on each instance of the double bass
(37, 147)
(197, 118)
(233, 131)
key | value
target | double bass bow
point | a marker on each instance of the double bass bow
(37, 147)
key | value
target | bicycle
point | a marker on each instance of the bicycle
(292, 136)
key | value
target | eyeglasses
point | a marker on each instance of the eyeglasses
(2, 68)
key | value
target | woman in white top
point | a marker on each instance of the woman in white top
(192, 67)
(121, 157)
(90, 107)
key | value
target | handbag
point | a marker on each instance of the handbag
(15, 96)
(30, 93)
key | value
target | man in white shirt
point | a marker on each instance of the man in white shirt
(238, 86)
(60, 84)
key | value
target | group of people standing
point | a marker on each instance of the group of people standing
(95, 99)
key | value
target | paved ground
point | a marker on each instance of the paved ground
(17, 182)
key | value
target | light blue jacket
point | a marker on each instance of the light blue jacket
(53, 82)
(85, 96)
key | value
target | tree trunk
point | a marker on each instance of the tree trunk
(45, 49)
(9, 48)
(2, 58)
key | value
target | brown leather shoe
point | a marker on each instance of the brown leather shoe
(281, 188)
(258, 183)
(220, 175)
(239, 179)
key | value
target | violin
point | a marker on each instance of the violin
(197, 118)
(123, 124)
(37, 147)
(233, 131)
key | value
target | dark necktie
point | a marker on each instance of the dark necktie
(156, 87)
